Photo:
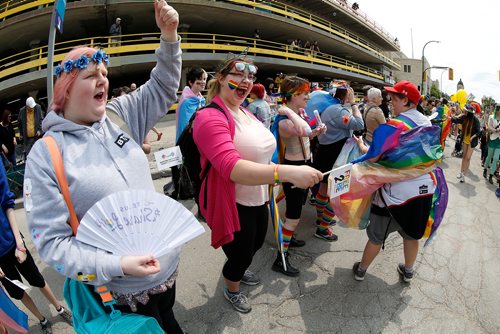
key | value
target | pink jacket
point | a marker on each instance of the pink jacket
(213, 133)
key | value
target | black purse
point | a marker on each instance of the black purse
(186, 188)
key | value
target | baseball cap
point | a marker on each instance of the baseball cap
(30, 102)
(469, 108)
(407, 89)
(118, 19)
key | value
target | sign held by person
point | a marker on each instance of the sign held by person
(168, 157)
(339, 181)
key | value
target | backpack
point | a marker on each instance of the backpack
(191, 176)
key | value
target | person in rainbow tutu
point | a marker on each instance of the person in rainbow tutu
(393, 185)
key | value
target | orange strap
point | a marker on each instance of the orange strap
(57, 161)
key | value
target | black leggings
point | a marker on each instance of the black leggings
(13, 270)
(159, 307)
(247, 241)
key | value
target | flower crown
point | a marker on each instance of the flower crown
(97, 57)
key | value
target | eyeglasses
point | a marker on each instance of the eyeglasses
(240, 67)
(249, 77)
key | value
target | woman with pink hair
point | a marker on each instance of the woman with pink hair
(100, 159)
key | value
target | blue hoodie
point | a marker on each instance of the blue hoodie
(7, 240)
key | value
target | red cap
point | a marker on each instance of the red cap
(407, 89)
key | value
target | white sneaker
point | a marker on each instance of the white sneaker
(459, 176)
(462, 179)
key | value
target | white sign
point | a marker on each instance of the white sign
(339, 181)
(168, 157)
(17, 283)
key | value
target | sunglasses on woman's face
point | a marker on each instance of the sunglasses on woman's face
(241, 67)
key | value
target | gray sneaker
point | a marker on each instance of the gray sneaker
(249, 278)
(66, 315)
(407, 277)
(46, 328)
(238, 300)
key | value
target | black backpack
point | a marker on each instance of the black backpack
(190, 170)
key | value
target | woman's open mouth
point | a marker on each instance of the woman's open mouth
(99, 97)
(241, 92)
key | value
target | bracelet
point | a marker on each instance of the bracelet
(276, 176)
(21, 249)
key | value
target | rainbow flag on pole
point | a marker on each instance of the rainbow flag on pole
(275, 218)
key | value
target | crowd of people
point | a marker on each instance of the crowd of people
(243, 151)
(307, 47)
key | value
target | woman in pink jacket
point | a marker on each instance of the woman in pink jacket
(234, 195)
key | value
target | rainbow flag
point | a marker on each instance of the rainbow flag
(279, 153)
(275, 218)
(403, 151)
(444, 122)
(11, 316)
(439, 204)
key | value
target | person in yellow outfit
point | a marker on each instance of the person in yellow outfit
(30, 121)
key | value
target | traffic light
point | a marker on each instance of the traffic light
(425, 76)
(450, 73)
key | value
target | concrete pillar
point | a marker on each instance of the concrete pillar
(34, 44)
(183, 78)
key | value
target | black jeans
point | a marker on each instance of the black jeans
(247, 241)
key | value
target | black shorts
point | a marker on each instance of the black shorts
(295, 197)
(13, 270)
(326, 157)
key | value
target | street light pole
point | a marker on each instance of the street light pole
(441, 81)
(423, 59)
(439, 68)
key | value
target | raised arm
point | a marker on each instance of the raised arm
(143, 108)
(294, 125)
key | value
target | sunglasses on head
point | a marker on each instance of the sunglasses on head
(241, 67)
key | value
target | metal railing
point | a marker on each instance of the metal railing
(298, 14)
(36, 59)
(347, 6)
(13, 7)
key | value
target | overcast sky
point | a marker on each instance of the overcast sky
(469, 32)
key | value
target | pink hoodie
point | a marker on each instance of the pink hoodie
(213, 133)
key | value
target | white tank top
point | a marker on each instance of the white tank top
(254, 143)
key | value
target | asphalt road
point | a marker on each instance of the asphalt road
(455, 289)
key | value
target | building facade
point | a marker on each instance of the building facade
(351, 45)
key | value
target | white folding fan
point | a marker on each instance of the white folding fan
(138, 222)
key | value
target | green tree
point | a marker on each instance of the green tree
(435, 91)
(487, 101)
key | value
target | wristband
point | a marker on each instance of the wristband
(276, 176)
(21, 249)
